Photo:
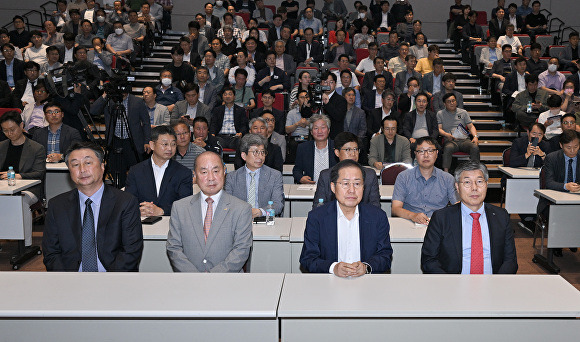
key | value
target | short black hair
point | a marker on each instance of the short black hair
(449, 77)
(565, 138)
(189, 87)
(388, 118)
(200, 119)
(427, 139)
(160, 130)
(535, 46)
(505, 47)
(13, 116)
(554, 101)
(519, 60)
(96, 148)
(573, 34)
(539, 125)
(210, 51)
(240, 71)
(193, 24)
(344, 164)
(51, 104)
(531, 78)
(448, 95)
(344, 138)
(437, 61)
(68, 37)
(54, 48)
(177, 50)
(269, 92)
(569, 115)
(31, 64)
(411, 79)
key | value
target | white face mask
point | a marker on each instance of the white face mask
(362, 15)
(415, 91)
(166, 82)
(568, 91)
(101, 19)
(552, 67)
(118, 31)
(219, 3)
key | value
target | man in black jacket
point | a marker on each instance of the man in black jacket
(229, 121)
(334, 106)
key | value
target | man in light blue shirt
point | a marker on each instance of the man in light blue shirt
(314, 23)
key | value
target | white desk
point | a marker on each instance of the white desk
(406, 240)
(563, 223)
(520, 186)
(139, 307)
(270, 248)
(287, 174)
(320, 307)
(11, 208)
(57, 180)
(301, 197)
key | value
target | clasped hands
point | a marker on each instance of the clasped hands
(344, 269)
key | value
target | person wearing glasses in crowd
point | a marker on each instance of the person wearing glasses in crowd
(470, 237)
(389, 147)
(422, 190)
(56, 137)
(346, 146)
(345, 237)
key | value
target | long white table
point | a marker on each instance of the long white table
(301, 197)
(563, 226)
(57, 180)
(520, 186)
(270, 248)
(139, 307)
(510, 308)
(12, 210)
(406, 240)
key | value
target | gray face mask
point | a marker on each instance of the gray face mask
(552, 67)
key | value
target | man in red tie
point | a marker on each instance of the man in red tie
(470, 237)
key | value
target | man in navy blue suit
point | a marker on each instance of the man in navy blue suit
(159, 181)
(344, 237)
(470, 237)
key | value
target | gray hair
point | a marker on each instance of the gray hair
(258, 118)
(279, 41)
(86, 145)
(250, 140)
(316, 117)
(228, 27)
(470, 166)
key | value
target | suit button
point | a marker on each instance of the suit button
(204, 261)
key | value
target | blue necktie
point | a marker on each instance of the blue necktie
(570, 177)
(89, 246)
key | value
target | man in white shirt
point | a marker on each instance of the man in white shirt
(37, 52)
(367, 64)
(510, 39)
(345, 237)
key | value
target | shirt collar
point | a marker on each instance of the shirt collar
(466, 211)
(162, 167)
(340, 214)
(96, 197)
(256, 173)
(216, 197)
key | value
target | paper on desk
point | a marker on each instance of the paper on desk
(308, 187)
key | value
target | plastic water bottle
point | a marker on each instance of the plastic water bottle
(529, 108)
(320, 202)
(270, 213)
(11, 175)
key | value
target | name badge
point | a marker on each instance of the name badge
(275, 77)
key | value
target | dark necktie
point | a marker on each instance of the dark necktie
(570, 176)
(89, 246)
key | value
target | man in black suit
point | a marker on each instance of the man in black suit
(336, 50)
(139, 127)
(346, 146)
(369, 77)
(273, 157)
(427, 125)
(23, 89)
(271, 77)
(209, 17)
(229, 121)
(384, 20)
(470, 237)
(202, 138)
(498, 24)
(315, 155)
(372, 98)
(268, 99)
(56, 137)
(69, 242)
(5, 92)
(207, 91)
(159, 181)
(11, 62)
(254, 56)
(375, 117)
(275, 31)
(310, 51)
(334, 105)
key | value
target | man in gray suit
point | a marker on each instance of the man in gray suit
(389, 147)
(210, 231)
(433, 81)
(356, 119)
(158, 113)
(346, 146)
(403, 76)
(191, 107)
(207, 91)
(256, 183)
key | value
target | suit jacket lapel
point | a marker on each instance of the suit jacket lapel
(242, 183)
(76, 223)
(363, 223)
(332, 224)
(492, 226)
(25, 155)
(167, 176)
(107, 205)
(264, 179)
(220, 213)
(457, 230)
(196, 218)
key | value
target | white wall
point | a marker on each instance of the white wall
(433, 13)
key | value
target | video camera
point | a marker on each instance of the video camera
(119, 83)
(61, 80)
(317, 89)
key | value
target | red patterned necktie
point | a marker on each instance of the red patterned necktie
(476, 246)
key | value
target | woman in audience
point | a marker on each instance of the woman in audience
(361, 40)
(332, 34)
(262, 37)
(419, 50)
(568, 106)
(304, 83)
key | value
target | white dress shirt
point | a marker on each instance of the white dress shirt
(158, 172)
(348, 236)
(320, 160)
(215, 198)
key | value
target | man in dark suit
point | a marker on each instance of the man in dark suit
(209, 17)
(406, 101)
(159, 181)
(207, 91)
(191, 107)
(403, 76)
(27, 158)
(23, 88)
(316, 155)
(202, 138)
(524, 154)
(256, 183)
(271, 77)
(17, 65)
(569, 57)
(340, 48)
(5, 92)
(69, 241)
(346, 146)
(255, 57)
(310, 51)
(139, 127)
(375, 117)
(273, 157)
(371, 96)
(268, 99)
(229, 121)
(384, 20)
(427, 121)
(369, 77)
(56, 137)
(498, 24)
(429, 80)
(275, 31)
(470, 237)
(334, 105)
(334, 224)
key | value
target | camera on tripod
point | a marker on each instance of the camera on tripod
(119, 83)
(61, 80)
(317, 89)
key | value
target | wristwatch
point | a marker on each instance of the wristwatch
(369, 268)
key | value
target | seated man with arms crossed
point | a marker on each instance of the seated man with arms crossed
(422, 190)
(159, 181)
(94, 227)
(256, 183)
(345, 237)
(346, 146)
(470, 237)
(210, 231)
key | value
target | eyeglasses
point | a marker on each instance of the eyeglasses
(257, 153)
(53, 112)
(422, 152)
(346, 184)
(165, 145)
(451, 101)
(270, 120)
(182, 134)
(468, 184)
(351, 150)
